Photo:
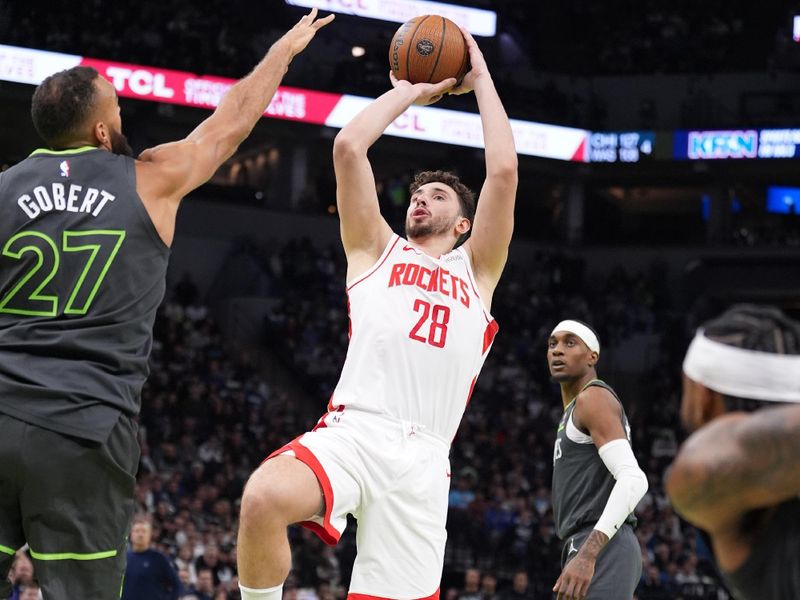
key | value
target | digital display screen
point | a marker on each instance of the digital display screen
(778, 143)
(736, 144)
(715, 145)
(783, 200)
(623, 146)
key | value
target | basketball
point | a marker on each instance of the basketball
(428, 49)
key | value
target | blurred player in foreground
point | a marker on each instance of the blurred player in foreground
(738, 476)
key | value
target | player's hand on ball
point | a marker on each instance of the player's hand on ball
(304, 31)
(477, 63)
(427, 93)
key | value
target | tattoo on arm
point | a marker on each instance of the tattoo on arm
(594, 543)
(753, 462)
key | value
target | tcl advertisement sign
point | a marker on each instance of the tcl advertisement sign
(295, 104)
(177, 87)
(464, 129)
(138, 82)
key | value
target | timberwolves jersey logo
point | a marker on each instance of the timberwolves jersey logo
(64, 166)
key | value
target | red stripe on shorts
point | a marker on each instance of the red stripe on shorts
(326, 532)
(433, 596)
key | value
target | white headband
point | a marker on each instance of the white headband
(743, 373)
(582, 331)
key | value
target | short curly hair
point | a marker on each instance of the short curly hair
(62, 103)
(466, 197)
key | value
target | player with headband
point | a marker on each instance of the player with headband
(597, 481)
(738, 476)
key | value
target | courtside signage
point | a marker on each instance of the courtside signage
(464, 129)
(475, 20)
(23, 65)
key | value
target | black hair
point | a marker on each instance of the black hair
(754, 327)
(62, 103)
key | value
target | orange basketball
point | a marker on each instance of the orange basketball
(428, 49)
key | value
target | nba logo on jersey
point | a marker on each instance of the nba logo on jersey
(64, 166)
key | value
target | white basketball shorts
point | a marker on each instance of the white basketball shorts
(394, 478)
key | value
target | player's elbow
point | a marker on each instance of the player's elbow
(505, 170)
(634, 482)
(347, 147)
(639, 484)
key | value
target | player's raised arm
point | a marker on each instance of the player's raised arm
(365, 233)
(166, 173)
(494, 218)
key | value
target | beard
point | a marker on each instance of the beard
(433, 226)
(119, 144)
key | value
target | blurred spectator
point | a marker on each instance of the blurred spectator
(21, 574)
(149, 573)
(204, 589)
(519, 588)
(489, 587)
(472, 582)
(30, 591)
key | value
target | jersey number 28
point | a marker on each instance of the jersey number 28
(439, 317)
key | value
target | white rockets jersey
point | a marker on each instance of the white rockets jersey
(419, 334)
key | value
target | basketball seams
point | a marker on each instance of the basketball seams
(423, 61)
(410, 47)
(442, 38)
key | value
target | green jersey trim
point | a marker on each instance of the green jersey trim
(59, 152)
(7, 550)
(73, 555)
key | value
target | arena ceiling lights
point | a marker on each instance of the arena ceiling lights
(476, 20)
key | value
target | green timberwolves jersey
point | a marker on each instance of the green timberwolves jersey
(581, 481)
(82, 272)
(772, 570)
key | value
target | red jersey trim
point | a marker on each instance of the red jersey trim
(326, 532)
(489, 334)
(486, 314)
(433, 596)
(471, 389)
(377, 265)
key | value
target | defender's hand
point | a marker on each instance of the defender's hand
(304, 31)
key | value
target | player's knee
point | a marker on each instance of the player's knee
(262, 501)
(268, 499)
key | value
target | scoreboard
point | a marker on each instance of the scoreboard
(622, 146)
